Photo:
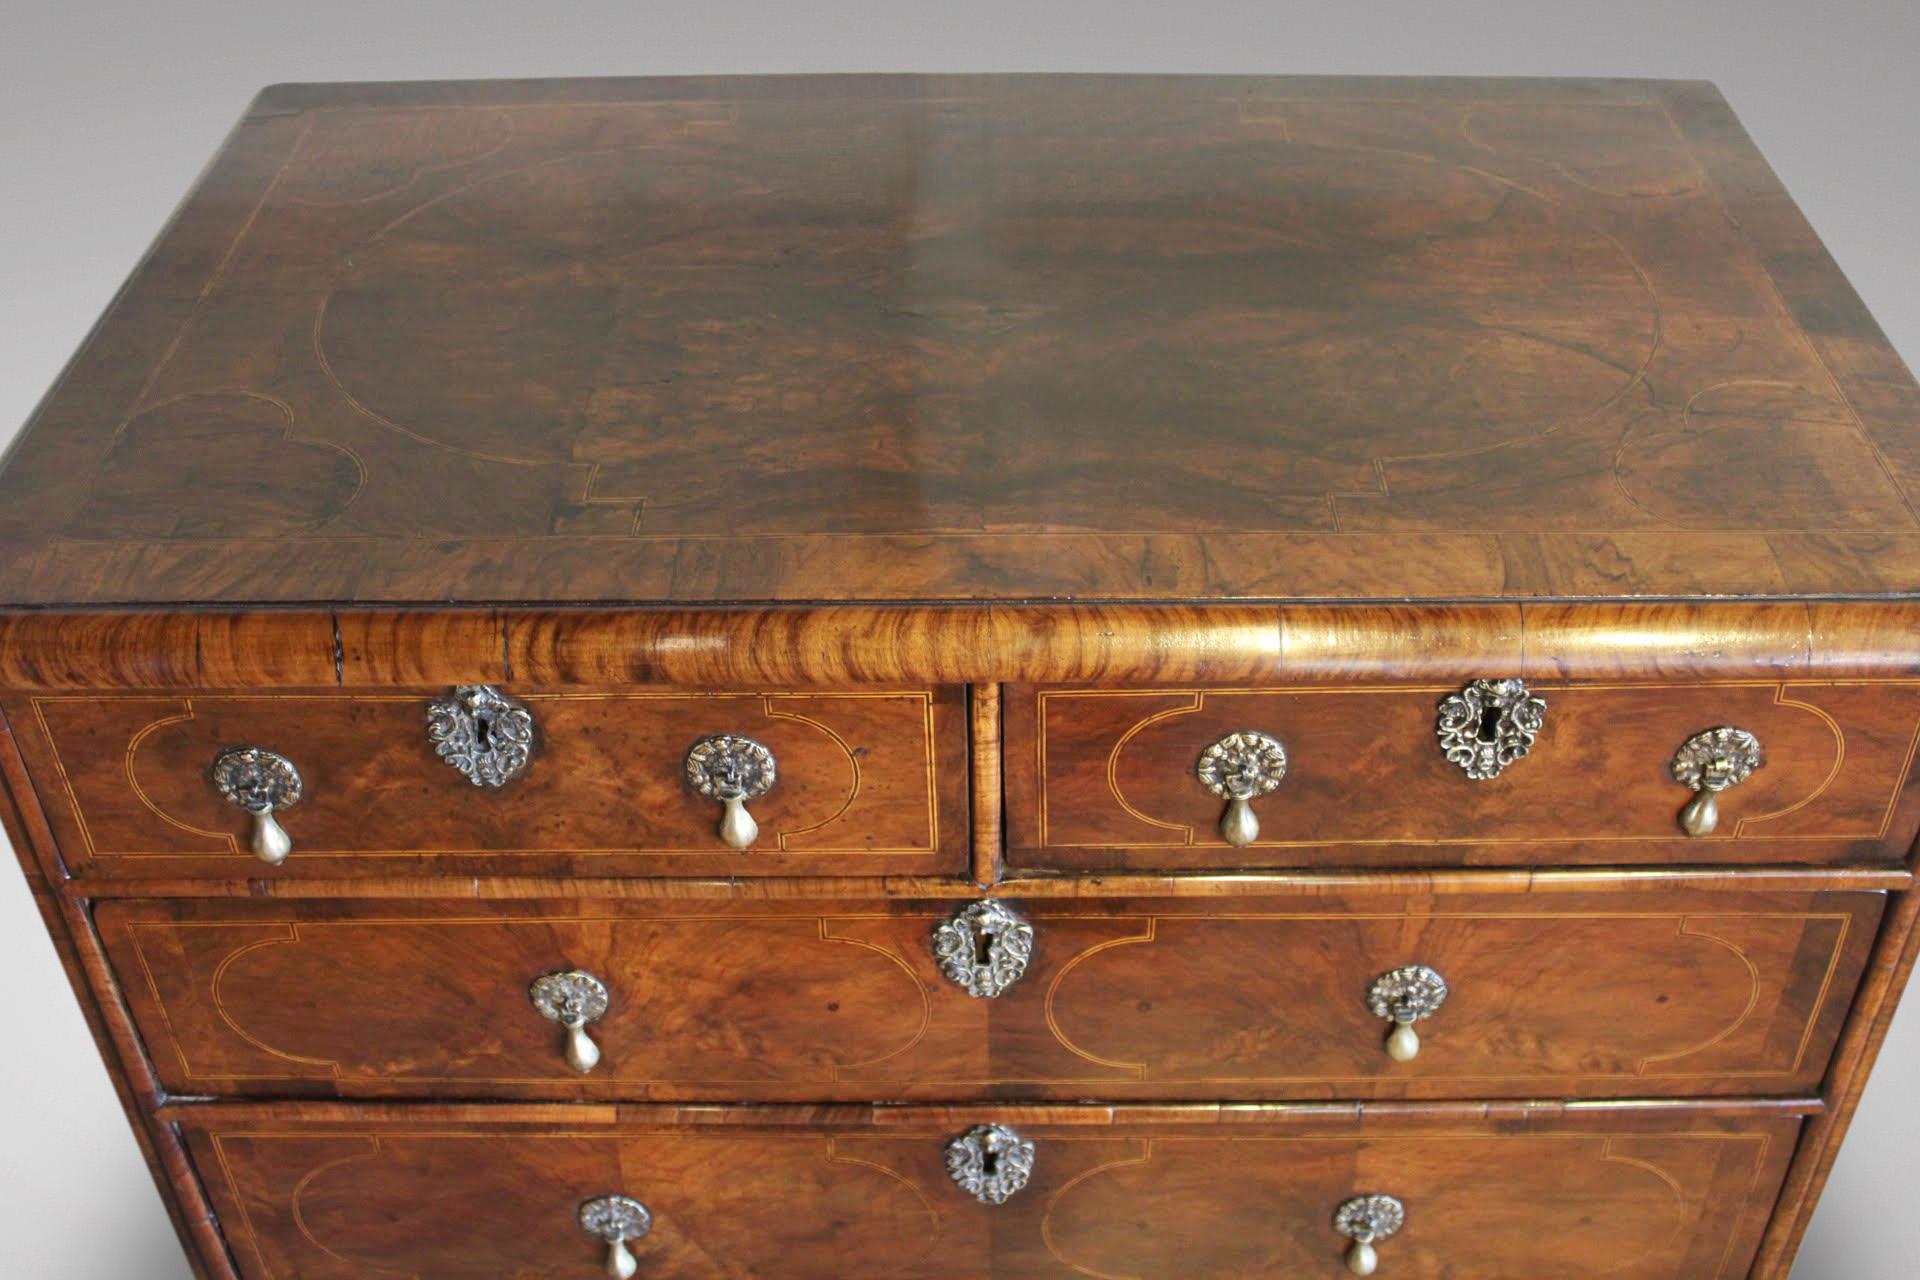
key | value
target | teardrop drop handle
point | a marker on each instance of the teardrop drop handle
(259, 781)
(621, 1264)
(1403, 1044)
(614, 1220)
(1363, 1220)
(1238, 768)
(573, 998)
(583, 1055)
(732, 769)
(737, 827)
(1239, 824)
(1709, 763)
(270, 842)
(1702, 814)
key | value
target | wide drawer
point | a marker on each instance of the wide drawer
(864, 783)
(1109, 778)
(1182, 1194)
(1548, 994)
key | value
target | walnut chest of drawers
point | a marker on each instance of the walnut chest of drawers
(981, 677)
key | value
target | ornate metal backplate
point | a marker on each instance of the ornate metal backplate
(1369, 1218)
(1238, 768)
(984, 948)
(1490, 724)
(728, 766)
(1717, 759)
(1242, 765)
(256, 779)
(259, 781)
(1407, 994)
(1709, 763)
(572, 999)
(991, 1162)
(615, 1219)
(733, 770)
(482, 733)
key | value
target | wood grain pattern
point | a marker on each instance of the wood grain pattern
(839, 646)
(989, 804)
(870, 781)
(1703, 994)
(1104, 778)
(985, 445)
(975, 338)
(1043, 885)
(1155, 1193)
(1890, 969)
(76, 942)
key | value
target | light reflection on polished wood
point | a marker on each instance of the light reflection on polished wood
(861, 1191)
(847, 645)
(1706, 993)
(979, 441)
(869, 780)
(975, 339)
(1102, 778)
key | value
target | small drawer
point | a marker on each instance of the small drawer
(1518, 995)
(485, 781)
(1138, 779)
(339, 1193)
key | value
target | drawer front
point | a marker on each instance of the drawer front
(864, 783)
(1108, 779)
(1633, 994)
(1631, 1194)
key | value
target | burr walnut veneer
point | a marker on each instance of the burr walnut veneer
(977, 677)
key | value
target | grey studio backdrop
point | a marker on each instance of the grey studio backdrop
(108, 110)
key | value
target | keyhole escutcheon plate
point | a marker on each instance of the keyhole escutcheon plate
(984, 948)
(1489, 725)
(484, 734)
(990, 1162)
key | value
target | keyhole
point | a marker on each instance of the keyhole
(983, 948)
(990, 1163)
(483, 733)
(1490, 724)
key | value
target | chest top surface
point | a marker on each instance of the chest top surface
(975, 338)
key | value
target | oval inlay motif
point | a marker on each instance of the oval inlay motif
(701, 1000)
(1282, 999)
